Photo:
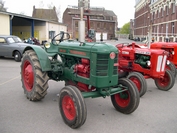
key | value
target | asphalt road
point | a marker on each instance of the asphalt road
(157, 111)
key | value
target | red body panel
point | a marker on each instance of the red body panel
(170, 47)
(127, 57)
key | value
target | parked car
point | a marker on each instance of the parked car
(12, 46)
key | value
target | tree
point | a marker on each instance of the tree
(2, 8)
(125, 29)
(41, 4)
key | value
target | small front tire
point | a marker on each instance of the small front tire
(167, 82)
(127, 101)
(172, 68)
(139, 81)
(72, 106)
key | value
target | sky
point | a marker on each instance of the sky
(124, 9)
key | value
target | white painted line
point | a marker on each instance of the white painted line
(9, 80)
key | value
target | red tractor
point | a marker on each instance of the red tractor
(139, 64)
(171, 47)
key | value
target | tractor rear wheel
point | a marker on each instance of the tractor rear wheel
(139, 81)
(172, 68)
(167, 82)
(127, 101)
(72, 106)
(34, 80)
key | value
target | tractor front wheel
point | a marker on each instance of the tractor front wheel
(172, 68)
(167, 82)
(72, 106)
(34, 80)
(127, 101)
(139, 81)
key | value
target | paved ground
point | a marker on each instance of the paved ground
(157, 111)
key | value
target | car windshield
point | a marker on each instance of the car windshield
(10, 40)
(17, 39)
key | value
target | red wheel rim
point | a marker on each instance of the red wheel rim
(137, 82)
(164, 81)
(123, 99)
(28, 76)
(68, 107)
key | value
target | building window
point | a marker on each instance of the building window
(76, 24)
(166, 30)
(157, 30)
(167, 10)
(104, 25)
(162, 11)
(51, 34)
(173, 28)
(154, 15)
(162, 30)
(91, 25)
(173, 8)
(98, 25)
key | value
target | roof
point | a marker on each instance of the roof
(49, 14)
(29, 17)
(93, 11)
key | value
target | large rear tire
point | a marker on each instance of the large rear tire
(167, 82)
(126, 102)
(140, 82)
(34, 80)
(72, 106)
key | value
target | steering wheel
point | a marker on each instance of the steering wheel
(60, 37)
(120, 45)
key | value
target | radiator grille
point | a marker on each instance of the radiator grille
(103, 63)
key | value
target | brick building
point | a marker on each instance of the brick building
(101, 20)
(156, 17)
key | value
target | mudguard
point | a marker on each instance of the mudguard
(42, 56)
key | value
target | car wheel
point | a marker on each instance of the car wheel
(17, 56)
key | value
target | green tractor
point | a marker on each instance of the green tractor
(89, 71)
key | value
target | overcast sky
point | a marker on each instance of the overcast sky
(124, 9)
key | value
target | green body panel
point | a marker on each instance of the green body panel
(103, 71)
(89, 51)
(42, 55)
(103, 92)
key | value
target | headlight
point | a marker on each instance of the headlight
(168, 62)
(148, 63)
(173, 52)
(47, 45)
(112, 55)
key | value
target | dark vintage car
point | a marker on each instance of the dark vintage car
(12, 46)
